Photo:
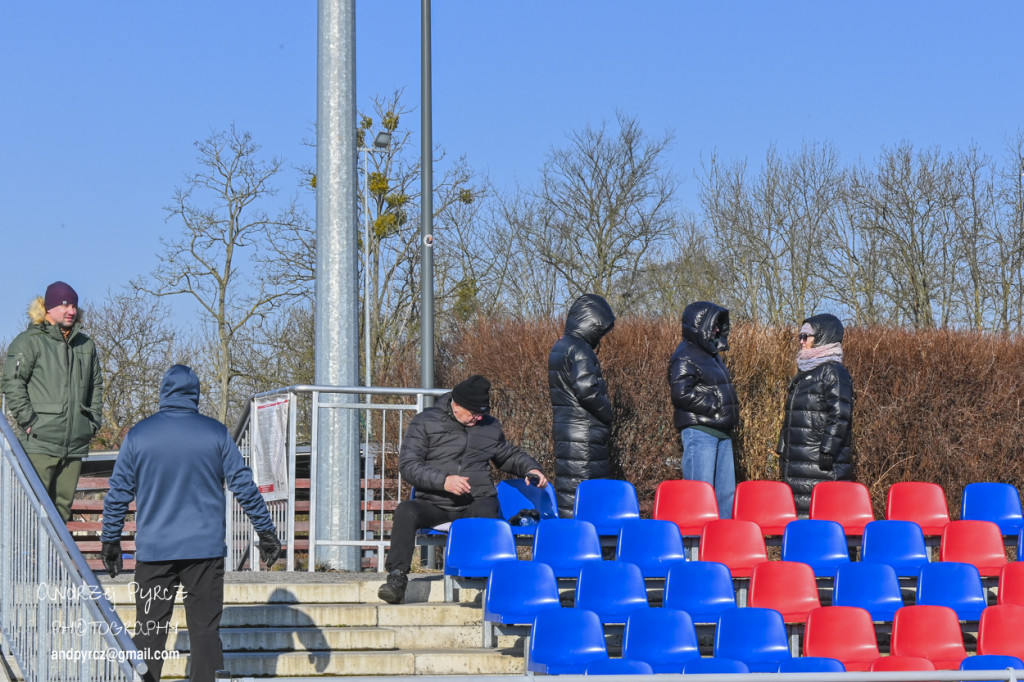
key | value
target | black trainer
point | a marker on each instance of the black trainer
(393, 591)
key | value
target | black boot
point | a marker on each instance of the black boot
(393, 591)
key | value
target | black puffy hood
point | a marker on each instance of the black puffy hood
(706, 325)
(590, 318)
(827, 328)
(179, 388)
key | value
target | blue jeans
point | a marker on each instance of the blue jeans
(706, 458)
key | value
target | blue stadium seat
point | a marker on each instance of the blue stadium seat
(752, 635)
(565, 545)
(516, 592)
(996, 502)
(818, 543)
(717, 665)
(474, 546)
(870, 586)
(953, 584)
(565, 641)
(606, 503)
(897, 543)
(650, 544)
(992, 662)
(811, 664)
(611, 589)
(514, 496)
(618, 666)
(704, 589)
(665, 638)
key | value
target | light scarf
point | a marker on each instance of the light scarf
(809, 358)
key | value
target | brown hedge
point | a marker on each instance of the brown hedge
(938, 406)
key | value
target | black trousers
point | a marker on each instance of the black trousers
(157, 583)
(414, 514)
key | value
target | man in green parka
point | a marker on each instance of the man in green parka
(53, 387)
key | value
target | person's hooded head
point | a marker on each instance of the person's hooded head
(706, 325)
(824, 327)
(590, 318)
(179, 388)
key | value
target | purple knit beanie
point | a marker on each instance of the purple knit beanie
(59, 293)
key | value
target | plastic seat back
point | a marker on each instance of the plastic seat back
(769, 504)
(931, 632)
(565, 641)
(991, 662)
(918, 501)
(515, 496)
(475, 545)
(897, 543)
(1011, 583)
(618, 666)
(717, 665)
(974, 542)
(848, 503)
(611, 589)
(953, 584)
(995, 502)
(664, 638)
(606, 503)
(565, 545)
(688, 504)
(518, 590)
(704, 589)
(736, 543)
(788, 587)
(811, 664)
(1000, 630)
(753, 635)
(651, 544)
(820, 544)
(869, 586)
(894, 662)
(845, 633)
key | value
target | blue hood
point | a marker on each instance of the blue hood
(179, 389)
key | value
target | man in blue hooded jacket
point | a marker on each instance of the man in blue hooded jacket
(175, 463)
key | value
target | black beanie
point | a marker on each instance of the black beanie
(473, 394)
(59, 293)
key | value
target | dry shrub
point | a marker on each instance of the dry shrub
(930, 405)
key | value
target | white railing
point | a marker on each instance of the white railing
(383, 415)
(55, 620)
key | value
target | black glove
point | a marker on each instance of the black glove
(111, 553)
(825, 462)
(270, 547)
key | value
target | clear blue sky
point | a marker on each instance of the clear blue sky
(101, 101)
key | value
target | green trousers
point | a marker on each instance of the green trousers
(59, 476)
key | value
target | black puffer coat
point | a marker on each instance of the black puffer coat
(582, 413)
(814, 444)
(702, 391)
(436, 446)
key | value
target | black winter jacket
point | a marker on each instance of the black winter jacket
(814, 444)
(702, 391)
(436, 446)
(582, 414)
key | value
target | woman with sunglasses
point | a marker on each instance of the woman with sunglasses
(815, 441)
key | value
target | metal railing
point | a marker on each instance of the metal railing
(56, 622)
(383, 415)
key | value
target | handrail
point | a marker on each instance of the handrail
(55, 618)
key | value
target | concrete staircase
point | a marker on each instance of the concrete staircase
(278, 624)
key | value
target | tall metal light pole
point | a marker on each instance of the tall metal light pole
(426, 212)
(382, 141)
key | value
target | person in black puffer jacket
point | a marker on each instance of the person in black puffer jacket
(582, 413)
(814, 444)
(705, 401)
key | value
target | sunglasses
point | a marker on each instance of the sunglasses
(804, 337)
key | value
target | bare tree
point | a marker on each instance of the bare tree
(223, 211)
